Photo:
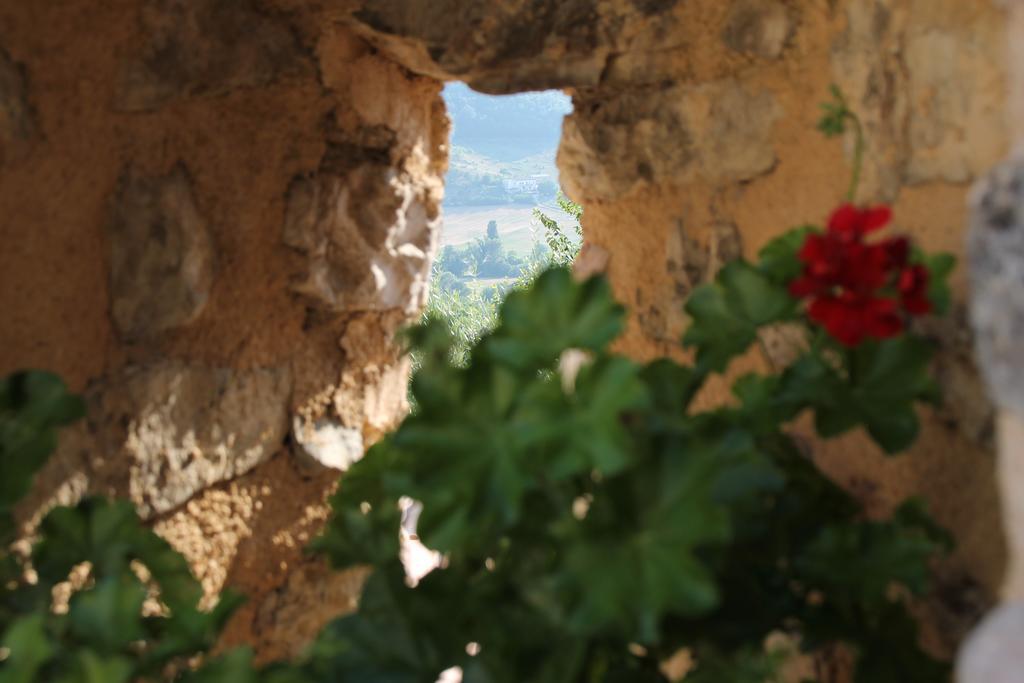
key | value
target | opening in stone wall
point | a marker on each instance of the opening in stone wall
(506, 216)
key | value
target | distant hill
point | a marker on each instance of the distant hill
(508, 127)
(477, 180)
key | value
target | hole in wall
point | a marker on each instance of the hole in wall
(502, 197)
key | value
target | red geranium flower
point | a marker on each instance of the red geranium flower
(913, 286)
(846, 277)
(852, 223)
(850, 318)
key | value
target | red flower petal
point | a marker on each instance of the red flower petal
(913, 286)
(898, 250)
(806, 286)
(881, 318)
(844, 220)
(835, 316)
(875, 218)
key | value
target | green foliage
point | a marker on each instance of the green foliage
(102, 635)
(465, 312)
(835, 114)
(564, 247)
(939, 266)
(581, 513)
(593, 522)
(32, 406)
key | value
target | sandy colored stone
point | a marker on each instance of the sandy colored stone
(926, 77)
(17, 124)
(616, 143)
(327, 443)
(367, 237)
(205, 47)
(161, 255)
(759, 27)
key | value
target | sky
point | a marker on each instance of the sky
(506, 127)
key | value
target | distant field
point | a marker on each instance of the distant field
(516, 225)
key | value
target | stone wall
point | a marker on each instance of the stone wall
(693, 140)
(217, 212)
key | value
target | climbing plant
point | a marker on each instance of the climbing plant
(564, 246)
(596, 518)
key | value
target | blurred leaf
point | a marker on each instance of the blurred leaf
(779, 259)
(727, 313)
(29, 648)
(32, 406)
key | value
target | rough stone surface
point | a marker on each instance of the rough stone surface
(327, 443)
(997, 271)
(993, 653)
(613, 145)
(17, 124)
(205, 47)
(367, 236)
(693, 256)
(759, 27)
(967, 403)
(926, 78)
(298, 608)
(161, 255)
(185, 428)
(510, 46)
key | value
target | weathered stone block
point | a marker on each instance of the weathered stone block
(197, 47)
(327, 443)
(17, 125)
(925, 78)
(184, 428)
(367, 231)
(720, 131)
(161, 255)
(993, 654)
(996, 252)
(758, 27)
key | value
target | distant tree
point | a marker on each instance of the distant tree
(484, 251)
(453, 260)
(540, 254)
(547, 189)
(449, 283)
(492, 230)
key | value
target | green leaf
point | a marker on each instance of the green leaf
(87, 666)
(748, 665)
(364, 527)
(884, 380)
(779, 259)
(29, 649)
(595, 437)
(379, 644)
(108, 616)
(856, 563)
(890, 377)
(571, 315)
(727, 313)
(940, 266)
(234, 667)
(110, 535)
(32, 406)
(635, 557)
